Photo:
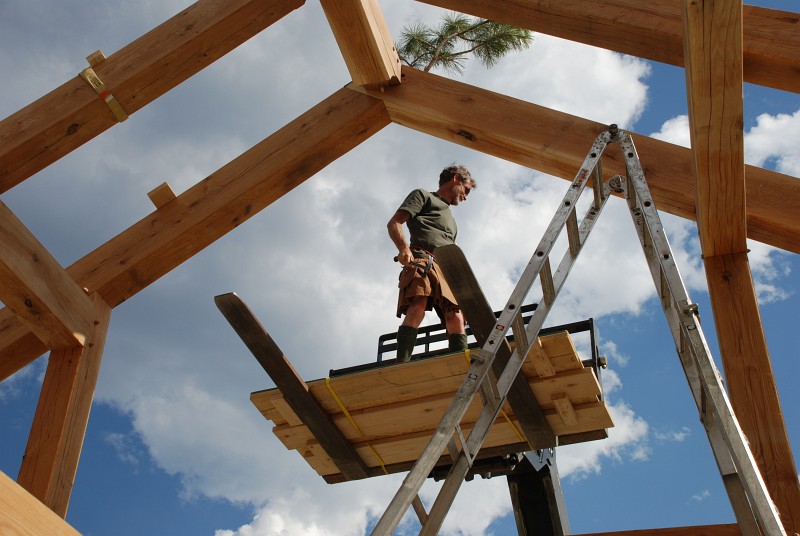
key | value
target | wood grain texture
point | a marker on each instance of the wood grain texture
(750, 381)
(22, 514)
(396, 409)
(136, 75)
(293, 389)
(713, 62)
(216, 205)
(700, 530)
(556, 143)
(38, 290)
(59, 425)
(481, 320)
(364, 40)
(650, 30)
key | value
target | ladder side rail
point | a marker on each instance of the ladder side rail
(644, 233)
(479, 369)
(436, 445)
(543, 309)
(713, 399)
(444, 500)
(489, 413)
(541, 253)
(483, 360)
(719, 416)
(734, 487)
(725, 463)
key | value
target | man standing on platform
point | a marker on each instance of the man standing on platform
(422, 286)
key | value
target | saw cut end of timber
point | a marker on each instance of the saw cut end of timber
(390, 413)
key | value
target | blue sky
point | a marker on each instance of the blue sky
(174, 445)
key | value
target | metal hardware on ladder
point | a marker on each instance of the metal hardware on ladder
(755, 512)
(478, 372)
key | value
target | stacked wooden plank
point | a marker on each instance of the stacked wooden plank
(390, 413)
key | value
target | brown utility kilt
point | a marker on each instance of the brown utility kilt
(414, 282)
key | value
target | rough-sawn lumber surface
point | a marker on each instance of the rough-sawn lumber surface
(397, 408)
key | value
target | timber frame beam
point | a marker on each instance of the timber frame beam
(38, 290)
(62, 414)
(650, 30)
(712, 32)
(555, 143)
(218, 204)
(365, 41)
(70, 115)
(709, 183)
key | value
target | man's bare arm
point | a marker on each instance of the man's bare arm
(395, 228)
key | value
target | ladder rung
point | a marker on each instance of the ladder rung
(489, 392)
(419, 508)
(546, 278)
(464, 449)
(572, 234)
(520, 334)
(597, 184)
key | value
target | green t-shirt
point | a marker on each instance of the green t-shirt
(432, 223)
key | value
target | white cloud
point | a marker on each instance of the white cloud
(677, 436)
(701, 496)
(675, 130)
(774, 137)
(626, 440)
(570, 77)
(316, 267)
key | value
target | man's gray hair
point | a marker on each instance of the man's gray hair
(457, 169)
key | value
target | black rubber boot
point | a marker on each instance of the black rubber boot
(406, 339)
(457, 342)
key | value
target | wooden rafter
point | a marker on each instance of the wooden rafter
(364, 39)
(216, 205)
(72, 114)
(59, 425)
(38, 290)
(554, 142)
(650, 30)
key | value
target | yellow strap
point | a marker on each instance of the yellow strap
(341, 406)
(353, 422)
(113, 104)
(502, 411)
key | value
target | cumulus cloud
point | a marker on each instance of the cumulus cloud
(626, 441)
(316, 267)
(773, 140)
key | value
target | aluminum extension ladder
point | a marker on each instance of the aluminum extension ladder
(754, 510)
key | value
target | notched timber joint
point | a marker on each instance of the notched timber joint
(91, 77)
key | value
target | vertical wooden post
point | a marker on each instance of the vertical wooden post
(714, 66)
(750, 381)
(59, 425)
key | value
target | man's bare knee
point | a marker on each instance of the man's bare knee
(416, 311)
